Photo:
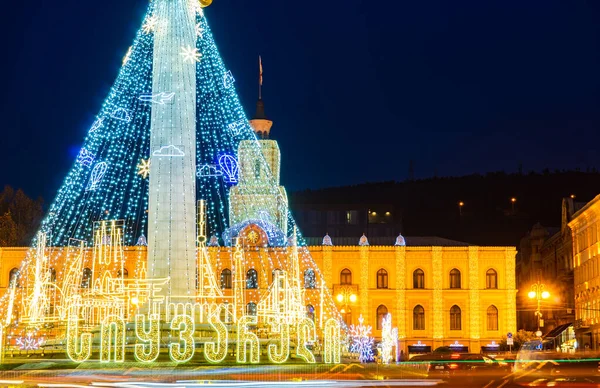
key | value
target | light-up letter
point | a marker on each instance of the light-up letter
(332, 352)
(246, 338)
(306, 333)
(280, 355)
(216, 352)
(79, 348)
(183, 350)
(112, 334)
(149, 349)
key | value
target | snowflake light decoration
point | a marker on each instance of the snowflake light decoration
(29, 343)
(190, 54)
(144, 168)
(150, 24)
(199, 30)
(389, 338)
(362, 342)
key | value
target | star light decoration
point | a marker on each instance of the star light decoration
(144, 168)
(29, 343)
(362, 342)
(190, 54)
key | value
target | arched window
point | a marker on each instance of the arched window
(492, 318)
(381, 313)
(382, 278)
(310, 280)
(455, 278)
(419, 279)
(310, 311)
(491, 279)
(252, 279)
(86, 279)
(455, 318)
(251, 309)
(14, 278)
(226, 279)
(346, 277)
(418, 318)
(52, 275)
(125, 273)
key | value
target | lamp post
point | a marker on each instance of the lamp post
(346, 296)
(512, 203)
(460, 206)
(537, 292)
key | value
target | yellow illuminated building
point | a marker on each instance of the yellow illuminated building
(586, 262)
(438, 296)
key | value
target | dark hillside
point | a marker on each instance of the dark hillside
(430, 207)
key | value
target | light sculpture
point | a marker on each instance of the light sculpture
(182, 350)
(149, 347)
(247, 342)
(215, 352)
(332, 352)
(307, 334)
(112, 339)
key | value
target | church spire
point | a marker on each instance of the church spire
(260, 123)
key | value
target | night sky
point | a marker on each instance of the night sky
(356, 88)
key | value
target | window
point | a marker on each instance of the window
(52, 275)
(86, 280)
(418, 318)
(251, 309)
(455, 318)
(346, 277)
(252, 279)
(125, 273)
(14, 278)
(310, 312)
(455, 278)
(352, 217)
(419, 279)
(382, 278)
(492, 318)
(309, 279)
(381, 313)
(226, 279)
(491, 279)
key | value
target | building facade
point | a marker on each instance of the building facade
(586, 261)
(546, 256)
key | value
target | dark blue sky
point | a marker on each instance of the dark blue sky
(356, 88)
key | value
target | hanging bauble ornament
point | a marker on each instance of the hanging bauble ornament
(205, 3)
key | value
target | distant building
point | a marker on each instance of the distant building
(348, 219)
(546, 256)
(586, 260)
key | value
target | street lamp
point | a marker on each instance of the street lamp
(537, 292)
(460, 206)
(512, 203)
(346, 296)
